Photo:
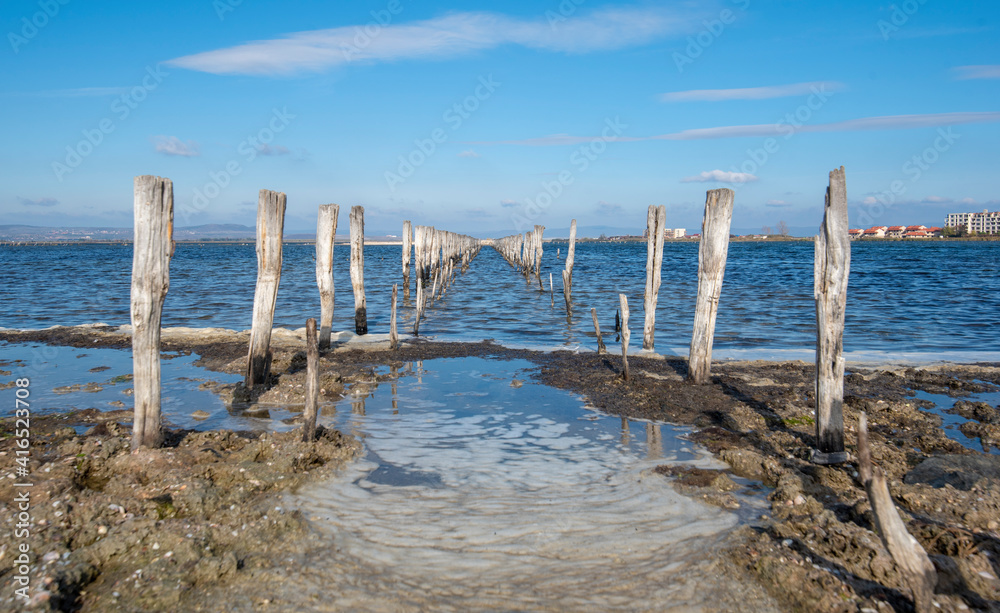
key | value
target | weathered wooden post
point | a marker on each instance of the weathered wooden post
(552, 292)
(407, 248)
(420, 305)
(152, 248)
(270, 229)
(832, 266)
(358, 269)
(393, 334)
(568, 273)
(312, 383)
(626, 334)
(601, 349)
(326, 230)
(909, 556)
(712, 252)
(656, 219)
(538, 255)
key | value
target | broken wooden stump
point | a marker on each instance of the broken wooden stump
(712, 252)
(326, 230)
(152, 248)
(656, 219)
(270, 229)
(568, 272)
(393, 334)
(358, 269)
(312, 383)
(601, 349)
(626, 334)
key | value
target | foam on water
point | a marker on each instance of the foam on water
(509, 498)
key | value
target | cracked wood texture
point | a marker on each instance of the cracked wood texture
(270, 229)
(712, 252)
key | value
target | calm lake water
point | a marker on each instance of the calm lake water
(904, 297)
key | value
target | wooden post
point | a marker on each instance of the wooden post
(538, 255)
(270, 228)
(152, 248)
(712, 252)
(312, 383)
(601, 349)
(832, 266)
(393, 335)
(420, 305)
(358, 269)
(626, 334)
(568, 273)
(407, 248)
(656, 218)
(909, 556)
(326, 230)
(552, 292)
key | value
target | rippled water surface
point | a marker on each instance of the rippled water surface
(903, 296)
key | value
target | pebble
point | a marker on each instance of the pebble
(799, 499)
(787, 542)
(50, 557)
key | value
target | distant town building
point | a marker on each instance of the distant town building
(875, 232)
(670, 233)
(895, 231)
(979, 223)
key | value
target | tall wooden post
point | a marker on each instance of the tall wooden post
(312, 383)
(656, 219)
(568, 273)
(712, 253)
(832, 266)
(326, 230)
(420, 305)
(358, 269)
(270, 229)
(152, 248)
(393, 334)
(626, 334)
(597, 330)
(538, 255)
(407, 249)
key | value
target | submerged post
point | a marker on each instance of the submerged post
(270, 228)
(601, 349)
(152, 247)
(712, 253)
(626, 334)
(831, 269)
(358, 269)
(326, 230)
(656, 218)
(568, 273)
(407, 248)
(312, 383)
(393, 334)
(420, 305)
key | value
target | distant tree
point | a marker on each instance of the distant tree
(782, 228)
(949, 231)
(767, 231)
(603, 237)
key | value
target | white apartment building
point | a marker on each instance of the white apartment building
(980, 223)
(670, 233)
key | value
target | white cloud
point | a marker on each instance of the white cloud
(264, 149)
(171, 145)
(38, 202)
(452, 35)
(889, 122)
(507, 204)
(607, 208)
(968, 201)
(754, 93)
(720, 176)
(777, 203)
(869, 200)
(469, 154)
(937, 199)
(987, 71)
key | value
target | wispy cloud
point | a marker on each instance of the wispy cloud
(888, 122)
(777, 203)
(38, 202)
(753, 93)
(171, 145)
(607, 208)
(720, 176)
(984, 71)
(272, 150)
(469, 154)
(451, 35)
(509, 204)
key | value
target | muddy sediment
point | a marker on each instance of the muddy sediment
(815, 551)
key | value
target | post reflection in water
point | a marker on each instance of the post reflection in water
(626, 437)
(654, 441)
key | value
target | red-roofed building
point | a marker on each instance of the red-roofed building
(917, 234)
(934, 231)
(855, 234)
(875, 232)
(895, 231)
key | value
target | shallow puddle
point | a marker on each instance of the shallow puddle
(950, 422)
(479, 492)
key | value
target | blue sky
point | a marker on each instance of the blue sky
(488, 117)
